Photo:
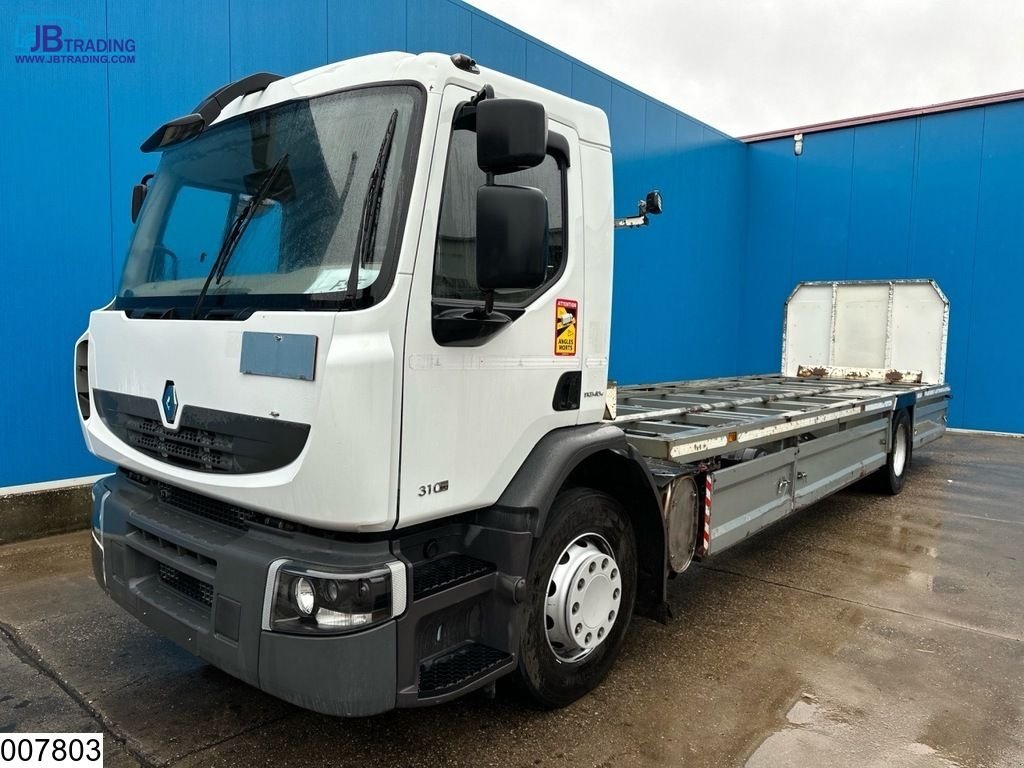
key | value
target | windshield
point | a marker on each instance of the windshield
(298, 248)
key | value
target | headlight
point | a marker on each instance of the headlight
(304, 595)
(310, 601)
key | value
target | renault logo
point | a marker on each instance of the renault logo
(170, 402)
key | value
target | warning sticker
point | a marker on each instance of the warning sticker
(566, 313)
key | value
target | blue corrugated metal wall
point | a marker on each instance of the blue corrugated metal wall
(70, 155)
(938, 196)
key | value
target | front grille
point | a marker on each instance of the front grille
(134, 476)
(189, 586)
(220, 512)
(154, 542)
(191, 448)
(173, 565)
(206, 440)
(207, 508)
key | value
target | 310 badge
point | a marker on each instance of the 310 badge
(566, 318)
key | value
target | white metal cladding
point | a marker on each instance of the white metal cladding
(873, 326)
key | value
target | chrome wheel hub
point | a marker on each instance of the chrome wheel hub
(583, 598)
(899, 452)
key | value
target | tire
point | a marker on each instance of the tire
(588, 536)
(893, 476)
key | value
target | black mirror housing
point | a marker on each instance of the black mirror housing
(139, 192)
(511, 237)
(138, 198)
(652, 202)
(511, 135)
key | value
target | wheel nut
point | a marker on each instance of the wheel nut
(600, 632)
(587, 638)
(611, 615)
(580, 584)
(615, 572)
(575, 607)
(579, 628)
(615, 594)
(593, 567)
(604, 563)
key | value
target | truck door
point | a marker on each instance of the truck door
(479, 395)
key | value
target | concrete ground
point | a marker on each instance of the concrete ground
(866, 631)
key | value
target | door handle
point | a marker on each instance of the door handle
(783, 483)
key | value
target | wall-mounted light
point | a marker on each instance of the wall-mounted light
(798, 144)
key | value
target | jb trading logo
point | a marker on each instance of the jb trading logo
(63, 41)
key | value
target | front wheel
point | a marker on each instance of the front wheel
(897, 463)
(580, 593)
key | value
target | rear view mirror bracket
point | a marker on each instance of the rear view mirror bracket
(651, 205)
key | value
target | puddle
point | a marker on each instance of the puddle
(816, 735)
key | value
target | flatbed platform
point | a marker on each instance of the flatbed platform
(687, 421)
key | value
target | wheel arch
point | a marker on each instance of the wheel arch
(596, 456)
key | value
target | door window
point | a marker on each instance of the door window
(455, 254)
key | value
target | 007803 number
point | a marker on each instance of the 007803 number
(42, 749)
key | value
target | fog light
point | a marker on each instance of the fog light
(301, 600)
(305, 596)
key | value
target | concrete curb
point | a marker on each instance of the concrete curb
(36, 514)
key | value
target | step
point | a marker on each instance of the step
(435, 575)
(459, 668)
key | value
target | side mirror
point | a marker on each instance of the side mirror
(652, 203)
(511, 135)
(139, 192)
(511, 237)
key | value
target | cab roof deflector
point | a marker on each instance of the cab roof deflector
(191, 125)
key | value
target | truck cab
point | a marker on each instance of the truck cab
(321, 390)
(304, 411)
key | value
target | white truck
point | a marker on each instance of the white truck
(355, 385)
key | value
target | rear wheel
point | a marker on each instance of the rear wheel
(897, 463)
(580, 593)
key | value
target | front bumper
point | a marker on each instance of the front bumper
(203, 586)
(202, 582)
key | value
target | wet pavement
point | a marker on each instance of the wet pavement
(865, 631)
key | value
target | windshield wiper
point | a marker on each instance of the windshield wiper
(238, 227)
(367, 235)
